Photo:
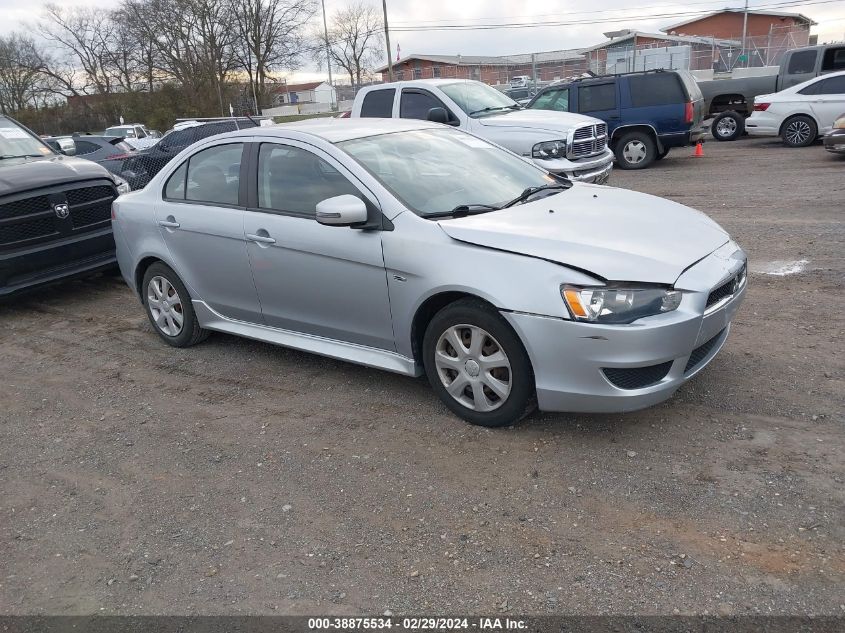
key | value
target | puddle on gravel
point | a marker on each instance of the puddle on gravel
(779, 268)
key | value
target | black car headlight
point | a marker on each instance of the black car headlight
(549, 149)
(619, 304)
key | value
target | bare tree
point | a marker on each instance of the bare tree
(79, 38)
(270, 36)
(192, 41)
(356, 40)
(21, 80)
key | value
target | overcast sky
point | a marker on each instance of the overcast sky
(615, 14)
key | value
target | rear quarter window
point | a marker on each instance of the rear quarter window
(656, 89)
(597, 97)
(378, 104)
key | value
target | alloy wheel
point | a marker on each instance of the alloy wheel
(473, 367)
(165, 306)
(797, 132)
(634, 152)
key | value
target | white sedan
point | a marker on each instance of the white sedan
(800, 114)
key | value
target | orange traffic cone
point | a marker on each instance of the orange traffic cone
(699, 150)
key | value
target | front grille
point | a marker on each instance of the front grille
(637, 377)
(589, 140)
(700, 352)
(728, 288)
(92, 215)
(33, 218)
(29, 230)
(89, 194)
(26, 206)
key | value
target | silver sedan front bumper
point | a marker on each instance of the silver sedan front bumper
(583, 367)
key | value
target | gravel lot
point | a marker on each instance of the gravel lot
(238, 477)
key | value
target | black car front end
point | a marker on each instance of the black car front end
(55, 232)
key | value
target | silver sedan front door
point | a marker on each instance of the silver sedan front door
(326, 281)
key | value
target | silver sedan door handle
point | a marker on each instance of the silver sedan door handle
(170, 224)
(261, 239)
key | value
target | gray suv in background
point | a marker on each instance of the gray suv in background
(416, 248)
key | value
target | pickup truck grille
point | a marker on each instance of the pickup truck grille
(589, 140)
(32, 218)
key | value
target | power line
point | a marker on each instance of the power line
(524, 25)
(720, 4)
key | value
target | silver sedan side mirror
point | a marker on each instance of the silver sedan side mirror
(342, 210)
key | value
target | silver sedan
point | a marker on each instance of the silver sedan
(416, 248)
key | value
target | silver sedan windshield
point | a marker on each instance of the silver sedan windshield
(434, 171)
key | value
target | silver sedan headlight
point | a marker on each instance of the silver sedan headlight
(620, 304)
(549, 149)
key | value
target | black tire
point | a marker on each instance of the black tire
(190, 333)
(635, 150)
(521, 399)
(662, 155)
(727, 126)
(799, 131)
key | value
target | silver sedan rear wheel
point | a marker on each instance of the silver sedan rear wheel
(165, 306)
(473, 367)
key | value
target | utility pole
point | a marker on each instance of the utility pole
(744, 29)
(328, 57)
(387, 43)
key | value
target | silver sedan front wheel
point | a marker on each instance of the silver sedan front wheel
(165, 306)
(473, 367)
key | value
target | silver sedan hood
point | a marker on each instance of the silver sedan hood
(616, 234)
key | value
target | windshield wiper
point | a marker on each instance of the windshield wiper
(530, 191)
(20, 156)
(463, 210)
(493, 108)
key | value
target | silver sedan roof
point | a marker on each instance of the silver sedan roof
(337, 130)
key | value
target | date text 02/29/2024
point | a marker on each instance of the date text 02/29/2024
(415, 624)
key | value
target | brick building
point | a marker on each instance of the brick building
(727, 24)
(712, 41)
(549, 65)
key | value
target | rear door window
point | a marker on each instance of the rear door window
(175, 187)
(553, 100)
(834, 59)
(802, 62)
(214, 175)
(655, 89)
(832, 86)
(378, 104)
(597, 97)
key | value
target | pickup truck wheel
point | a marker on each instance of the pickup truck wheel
(799, 131)
(477, 365)
(662, 155)
(169, 307)
(727, 126)
(635, 150)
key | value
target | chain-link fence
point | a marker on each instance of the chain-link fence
(633, 52)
